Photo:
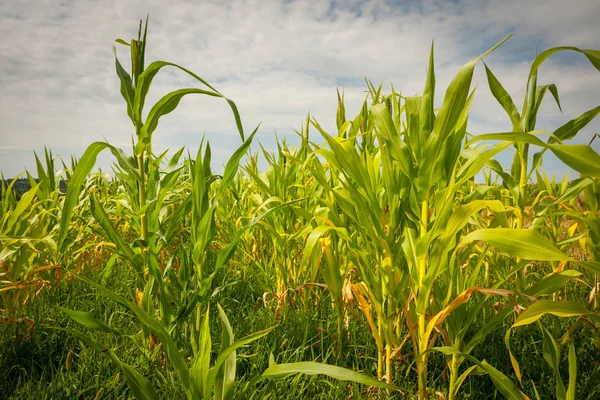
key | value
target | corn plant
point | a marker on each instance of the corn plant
(150, 209)
(200, 380)
(388, 196)
(285, 179)
(406, 204)
(28, 233)
(579, 157)
(158, 219)
(524, 128)
(386, 215)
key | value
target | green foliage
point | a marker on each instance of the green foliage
(371, 249)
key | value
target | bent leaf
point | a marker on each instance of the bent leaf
(279, 371)
(525, 243)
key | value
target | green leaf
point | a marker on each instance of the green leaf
(385, 127)
(413, 132)
(592, 266)
(592, 55)
(551, 352)
(455, 101)
(141, 387)
(456, 97)
(224, 354)
(572, 388)
(225, 380)
(234, 161)
(503, 383)
(571, 128)
(41, 172)
(164, 106)
(146, 77)
(580, 157)
(503, 98)
(80, 174)
(427, 114)
(552, 282)
(525, 243)
(313, 240)
(87, 320)
(279, 371)
(201, 363)
(21, 207)
(534, 312)
(148, 302)
(127, 90)
(461, 215)
(122, 247)
(461, 379)
(474, 165)
(121, 41)
(84, 167)
(540, 308)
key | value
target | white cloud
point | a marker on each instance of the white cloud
(277, 60)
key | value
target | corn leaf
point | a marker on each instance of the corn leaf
(525, 243)
(279, 371)
(146, 77)
(225, 380)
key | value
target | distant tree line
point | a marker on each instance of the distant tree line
(22, 185)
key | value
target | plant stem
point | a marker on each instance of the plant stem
(422, 362)
(340, 329)
(388, 363)
(142, 196)
(453, 377)
(380, 350)
(142, 205)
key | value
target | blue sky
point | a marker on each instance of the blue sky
(277, 60)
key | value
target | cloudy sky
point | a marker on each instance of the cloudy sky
(278, 60)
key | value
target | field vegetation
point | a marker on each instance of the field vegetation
(362, 263)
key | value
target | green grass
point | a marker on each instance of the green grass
(36, 368)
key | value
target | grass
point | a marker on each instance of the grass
(37, 368)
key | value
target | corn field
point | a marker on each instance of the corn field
(392, 258)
